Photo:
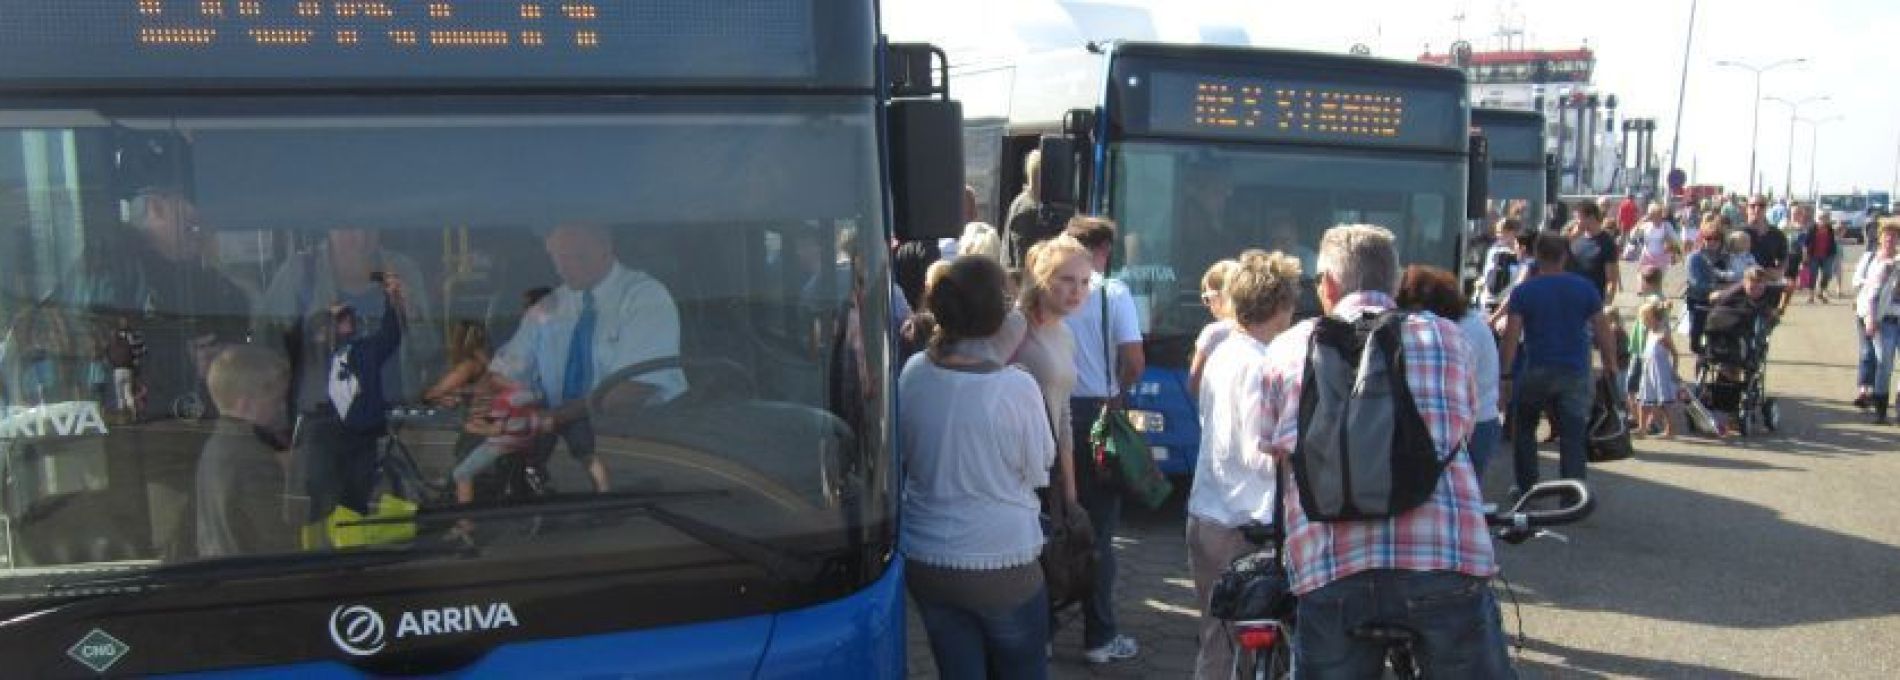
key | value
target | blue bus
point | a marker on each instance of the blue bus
(1202, 151)
(222, 215)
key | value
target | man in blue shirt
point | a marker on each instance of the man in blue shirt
(1556, 314)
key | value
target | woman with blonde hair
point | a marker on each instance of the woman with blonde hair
(1055, 282)
(1217, 331)
(979, 238)
(1234, 482)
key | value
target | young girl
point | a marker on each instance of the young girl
(1638, 347)
(1211, 336)
(1659, 387)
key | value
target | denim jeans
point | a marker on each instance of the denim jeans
(1868, 362)
(1484, 442)
(1887, 340)
(968, 643)
(1102, 500)
(1569, 390)
(1454, 616)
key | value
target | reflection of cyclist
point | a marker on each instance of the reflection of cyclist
(508, 423)
(603, 318)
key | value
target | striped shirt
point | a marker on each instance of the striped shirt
(1447, 532)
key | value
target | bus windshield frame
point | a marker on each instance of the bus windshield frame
(760, 216)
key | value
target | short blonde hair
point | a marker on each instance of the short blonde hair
(1755, 273)
(979, 238)
(1216, 276)
(1739, 241)
(1889, 225)
(1262, 285)
(1042, 262)
(1653, 313)
(246, 372)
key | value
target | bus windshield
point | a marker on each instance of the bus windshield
(1510, 185)
(1182, 207)
(562, 335)
(1843, 202)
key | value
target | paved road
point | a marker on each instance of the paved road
(1775, 556)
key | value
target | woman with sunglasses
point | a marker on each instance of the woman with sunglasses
(1708, 271)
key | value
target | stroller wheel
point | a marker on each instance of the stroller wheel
(1770, 414)
(188, 407)
(1741, 424)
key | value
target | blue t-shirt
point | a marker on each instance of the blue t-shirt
(1557, 310)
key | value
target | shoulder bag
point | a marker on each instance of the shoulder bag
(1121, 452)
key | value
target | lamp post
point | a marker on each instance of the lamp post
(1814, 150)
(1755, 129)
(1794, 114)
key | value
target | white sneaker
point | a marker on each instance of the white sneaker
(1120, 648)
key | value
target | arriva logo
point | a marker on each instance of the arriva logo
(359, 630)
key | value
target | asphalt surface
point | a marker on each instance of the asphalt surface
(1777, 555)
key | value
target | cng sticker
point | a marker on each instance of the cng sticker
(98, 650)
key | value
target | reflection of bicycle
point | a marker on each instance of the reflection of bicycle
(1514, 526)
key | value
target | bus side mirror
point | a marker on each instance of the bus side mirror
(1478, 179)
(1055, 178)
(926, 144)
(926, 168)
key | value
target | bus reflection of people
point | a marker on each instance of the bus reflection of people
(603, 318)
(337, 436)
(240, 494)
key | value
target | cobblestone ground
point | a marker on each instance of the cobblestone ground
(1157, 604)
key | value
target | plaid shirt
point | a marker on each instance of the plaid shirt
(1447, 532)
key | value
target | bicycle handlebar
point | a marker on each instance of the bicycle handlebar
(1521, 522)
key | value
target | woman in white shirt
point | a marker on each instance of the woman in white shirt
(1233, 482)
(977, 444)
(1878, 307)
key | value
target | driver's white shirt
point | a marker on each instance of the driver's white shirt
(636, 321)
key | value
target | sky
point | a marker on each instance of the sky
(1639, 48)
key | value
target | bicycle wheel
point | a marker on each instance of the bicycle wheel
(1273, 663)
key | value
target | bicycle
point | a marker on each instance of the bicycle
(1262, 631)
(1512, 527)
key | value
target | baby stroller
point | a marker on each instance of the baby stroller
(1731, 375)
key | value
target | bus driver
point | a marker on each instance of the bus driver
(603, 318)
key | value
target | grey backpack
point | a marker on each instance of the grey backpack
(1363, 450)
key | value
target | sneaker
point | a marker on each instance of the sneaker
(1118, 649)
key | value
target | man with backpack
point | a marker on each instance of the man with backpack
(1556, 313)
(1401, 540)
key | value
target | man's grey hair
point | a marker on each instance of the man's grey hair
(1360, 257)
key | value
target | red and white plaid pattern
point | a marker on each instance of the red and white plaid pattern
(1446, 533)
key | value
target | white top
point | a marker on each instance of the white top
(976, 446)
(343, 385)
(1484, 355)
(1485, 297)
(1213, 334)
(635, 321)
(1233, 480)
(1091, 378)
(1879, 286)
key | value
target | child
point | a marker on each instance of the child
(1651, 291)
(240, 495)
(1223, 325)
(1659, 386)
(509, 424)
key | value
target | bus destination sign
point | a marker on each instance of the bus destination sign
(1284, 109)
(76, 40)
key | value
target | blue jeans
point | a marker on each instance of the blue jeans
(1484, 442)
(1536, 388)
(1102, 500)
(968, 643)
(1868, 362)
(1887, 340)
(1454, 616)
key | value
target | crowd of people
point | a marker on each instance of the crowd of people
(1484, 368)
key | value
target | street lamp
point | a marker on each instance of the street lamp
(1794, 113)
(1755, 131)
(1814, 150)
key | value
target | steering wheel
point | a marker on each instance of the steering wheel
(596, 399)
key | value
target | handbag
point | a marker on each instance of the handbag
(1256, 585)
(1068, 551)
(1609, 433)
(1119, 449)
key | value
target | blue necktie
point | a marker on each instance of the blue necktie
(580, 351)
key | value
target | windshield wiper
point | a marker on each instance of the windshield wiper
(242, 567)
(778, 561)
